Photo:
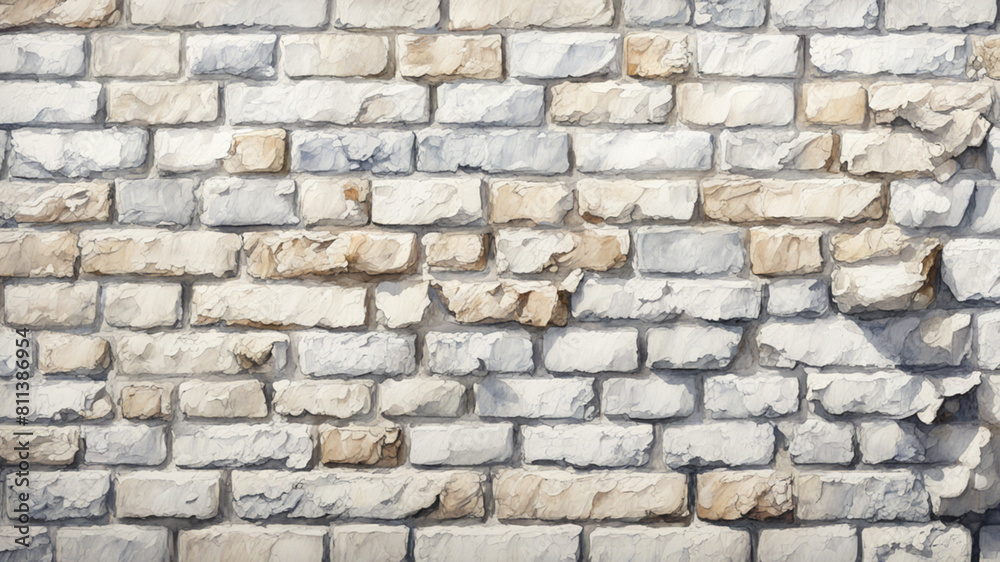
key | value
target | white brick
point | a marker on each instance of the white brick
(463, 353)
(497, 543)
(536, 54)
(591, 351)
(375, 353)
(290, 13)
(41, 102)
(535, 397)
(461, 444)
(735, 104)
(445, 202)
(341, 103)
(193, 494)
(922, 53)
(42, 54)
(650, 398)
(608, 445)
(136, 55)
(739, 54)
(643, 151)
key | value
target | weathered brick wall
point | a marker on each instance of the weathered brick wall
(502, 280)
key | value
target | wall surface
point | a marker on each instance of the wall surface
(500, 280)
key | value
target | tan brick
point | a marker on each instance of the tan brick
(450, 56)
(759, 494)
(657, 54)
(256, 152)
(534, 303)
(252, 543)
(536, 202)
(158, 252)
(738, 199)
(68, 13)
(145, 401)
(278, 306)
(276, 255)
(534, 251)
(785, 251)
(70, 353)
(136, 54)
(367, 445)
(335, 54)
(30, 253)
(179, 493)
(162, 103)
(51, 304)
(202, 352)
(47, 445)
(835, 103)
(142, 305)
(55, 202)
(337, 399)
(229, 399)
(457, 251)
(335, 201)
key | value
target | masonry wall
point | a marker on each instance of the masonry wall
(500, 280)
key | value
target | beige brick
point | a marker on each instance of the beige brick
(533, 303)
(252, 543)
(158, 252)
(187, 493)
(202, 352)
(617, 103)
(552, 495)
(335, 54)
(68, 13)
(288, 254)
(759, 494)
(367, 445)
(136, 55)
(55, 202)
(835, 103)
(142, 305)
(457, 251)
(230, 399)
(480, 14)
(657, 54)
(162, 103)
(738, 199)
(30, 253)
(278, 306)
(51, 304)
(46, 445)
(986, 54)
(256, 151)
(536, 202)
(785, 251)
(337, 399)
(334, 201)
(533, 251)
(450, 56)
(145, 401)
(70, 353)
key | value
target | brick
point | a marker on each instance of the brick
(50, 304)
(243, 445)
(378, 14)
(158, 252)
(155, 202)
(968, 268)
(537, 202)
(649, 398)
(443, 202)
(369, 542)
(337, 399)
(56, 446)
(495, 151)
(290, 253)
(455, 251)
(497, 543)
(375, 353)
(38, 102)
(733, 104)
(66, 13)
(669, 250)
(590, 103)
(739, 54)
(643, 151)
(537, 54)
(928, 204)
(825, 14)
(591, 351)
(765, 149)
(622, 201)
(657, 54)
(450, 56)
(60, 401)
(521, 251)
(162, 103)
(278, 306)
(743, 396)
(827, 496)
(61, 495)
(554, 494)
(146, 401)
(271, 543)
(460, 444)
(836, 543)
(934, 541)
(939, 13)
(535, 397)
(793, 297)
(817, 441)
(31, 253)
(136, 55)
(320, 101)
(39, 547)
(338, 55)
(508, 104)
(466, 353)
(247, 55)
(142, 305)
(467, 14)
(739, 199)
(922, 53)
(640, 542)
(785, 251)
(334, 201)
(890, 441)
(122, 443)
(126, 543)
(376, 445)
(620, 445)
(42, 54)
(725, 495)
(422, 396)
(296, 13)
(178, 494)
(71, 353)
(199, 353)
(230, 399)
(656, 12)
(41, 202)
(245, 202)
(730, 13)
(49, 153)
(532, 303)
(384, 152)
(348, 493)
(256, 152)
(835, 103)
(727, 443)
(402, 304)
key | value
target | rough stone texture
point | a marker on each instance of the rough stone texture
(644, 151)
(363, 445)
(75, 102)
(520, 251)
(589, 103)
(369, 542)
(535, 54)
(793, 297)
(68, 353)
(727, 496)
(935, 541)
(201, 353)
(464, 353)
(741, 199)
(376, 353)
(968, 268)
(338, 399)
(533, 303)
(187, 494)
(835, 103)
(785, 251)
(158, 252)
(555, 543)
(763, 149)
(136, 55)
(290, 253)
(125, 444)
(733, 104)
(455, 251)
(264, 306)
(38, 153)
(142, 305)
(825, 14)
(334, 55)
(297, 13)
(238, 399)
(657, 54)
(247, 55)
(730, 13)
(698, 542)
(938, 13)
(67, 13)
(247, 202)
(737, 54)
(47, 445)
(457, 444)
(25, 253)
(836, 543)
(744, 396)
(621, 201)
(61, 495)
(922, 53)
(343, 103)
(50, 304)
(444, 57)
(536, 397)
(252, 543)
(494, 151)
(874, 496)
(468, 14)
(733, 443)
(235, 445)
(162, 103)
(127, 543)
(654, 397)
(692, 346)
(422, 396)
(42, 54)
(611, 445)
(817, 441)
(655, 300)
(146, 401)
